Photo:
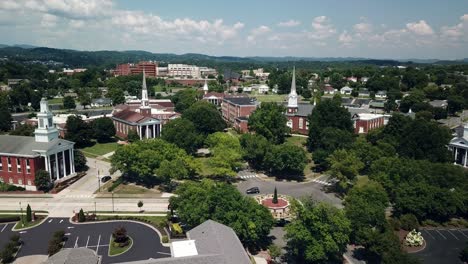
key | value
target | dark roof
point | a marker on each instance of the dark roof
(361, 101)
(131, 117)
(219, 95)
(303, 109)
(27, 146)
(241, 100)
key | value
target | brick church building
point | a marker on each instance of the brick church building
(297, 113)
(21, 156)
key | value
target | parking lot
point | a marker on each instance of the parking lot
(443, 245)
(96, 236)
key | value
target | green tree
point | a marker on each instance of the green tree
(78, 131)
(455, 104)
(103, 129)
(329, 120)
(226, 154)
(345, 166)
(287, 161)
(116, 95)
(197, 202)
(182, 133)
(365, 208)
(79, 161)
(69, 102)
(206, 118)
(42, 180)
(275, 197)
(5, 118)
(409, 222)
(85, 99)
(255, 148)
(24, 130)
(145, 161)
(28, 214)
(269, 121)
(319, 234)
(140, 205)
(81, 216)
(184, 99)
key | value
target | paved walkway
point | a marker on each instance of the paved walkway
(31, 259)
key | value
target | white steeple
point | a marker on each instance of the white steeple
(292, 98)
(45, 131)
(205, 87)
(144, 93)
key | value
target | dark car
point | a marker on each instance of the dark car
(105, 178)
(252, 190)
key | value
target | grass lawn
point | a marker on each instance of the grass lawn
(133, 189)
(55, 101)
(99, 149)
(116, 250)
(298, 141)
(38, 220)
(271, 97)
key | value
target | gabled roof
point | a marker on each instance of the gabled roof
(131, 117)
(27, 146)
(241, 100)
(74, 256)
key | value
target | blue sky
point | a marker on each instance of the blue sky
(327, 28)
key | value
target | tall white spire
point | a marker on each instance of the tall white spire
(144, 93)
(205, 87)
(292, 98)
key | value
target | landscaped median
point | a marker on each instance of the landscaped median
(119, 242)
(24, 220)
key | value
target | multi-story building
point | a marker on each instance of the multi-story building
(363, 122)
(183, 71)
(234, 107)
(149, 67)
(21, 156)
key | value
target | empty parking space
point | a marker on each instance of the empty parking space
(443, 244)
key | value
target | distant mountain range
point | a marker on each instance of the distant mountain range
(74, 58)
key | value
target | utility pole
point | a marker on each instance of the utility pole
(112, 201)
(98, 181)
(22, 218)
(95, 207)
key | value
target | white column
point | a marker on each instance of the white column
(456, 154)
(56, 166)
(147, 134)
(466, 154)
(139, 129)
(70, 160)
(72, 154)
(47, 165)
(63, 164)
(154, 131)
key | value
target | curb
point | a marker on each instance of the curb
(116, 255)
(31, 227)
(132, 221)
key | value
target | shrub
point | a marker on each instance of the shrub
(7, 255)
(81, 216)
(15, 239)
(275, 251)
(120, 235)
(177, 229)
(464, 254)
(54, 247)
(430, 223)
(394, 223)
(60, 235)
(28, 213)
(165, 239)
(409, 222)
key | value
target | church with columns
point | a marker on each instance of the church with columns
(145, 117)
(21, 156)
(458, 146)
(297, 112)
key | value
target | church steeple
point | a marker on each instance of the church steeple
(205, 87)
(145, 109)
(45, 131)
(292, 97)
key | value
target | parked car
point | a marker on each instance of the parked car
(105, 178)
(252, 190)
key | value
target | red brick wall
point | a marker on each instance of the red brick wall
(20, 178)
(296, 126)
(247, 110)
(368, 125)
(241, 126)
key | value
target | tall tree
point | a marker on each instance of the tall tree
(319, 234)
(206, 118)
(42, 180)
(103, 129)
(78, 131)
(182, 132)
(255, 148)
(269, 121)
(24, 130)
(287, 161)
(116, 95)
(69, 102)
(197, 202)
(184, 99)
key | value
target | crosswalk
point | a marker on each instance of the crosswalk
(78, 195)
(323, 182)
(248, 176)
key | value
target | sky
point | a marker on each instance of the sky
(396, 29)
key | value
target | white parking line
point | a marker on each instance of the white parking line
(4, 227)
(164, 253)
(50, 221)
(453, 235)
(462, 233)
(97, 247)
(87, 241)
(22, 232)
(440, 233)
(76, 242)
(61, 221)
(429, 233)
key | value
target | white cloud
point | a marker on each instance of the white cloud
(289, 23)
(363, 28)
(49, 20)
(256, 32)
(322, 28)
(420, 28)
(458, 31)
(345, 38)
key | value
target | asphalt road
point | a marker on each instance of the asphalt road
(96, 236)
(443, 245)
(315, 190)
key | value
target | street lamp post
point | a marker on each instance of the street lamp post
(112, 201)
(22, 218)
(98, 181)
(95, 208)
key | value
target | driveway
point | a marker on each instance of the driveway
(316, 190)
(96, 236)
(443, 245)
